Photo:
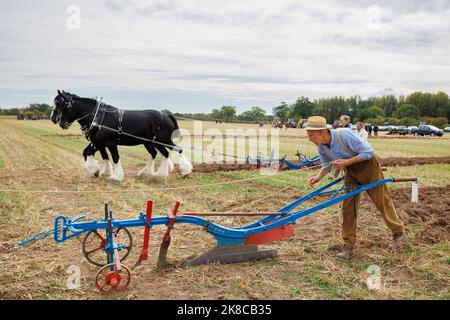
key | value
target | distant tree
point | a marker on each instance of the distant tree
(281, 111)
(438, 122)
(423, 102)
(15, 111)
(302, 109)
(407, 111)
(408, 122)
(255, 114)
(387, 103)
(332, 108)
(43, 108)
(375, 121)
(228, 112)
(216, 114)
(371, 112)
(393, 120)
(441, 104)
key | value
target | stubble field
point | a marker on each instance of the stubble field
(42, 175)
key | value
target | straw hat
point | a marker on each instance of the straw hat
(316, 123)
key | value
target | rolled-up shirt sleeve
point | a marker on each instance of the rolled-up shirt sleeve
(357, 145)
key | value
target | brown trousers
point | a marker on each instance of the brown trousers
(365, 172)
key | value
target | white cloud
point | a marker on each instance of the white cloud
(245, 52)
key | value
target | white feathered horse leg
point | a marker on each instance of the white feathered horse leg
(107, 168)
(171, 165)
(185, 165)
(92, 166)
(118, 174)
(149, 168)
(163, 170)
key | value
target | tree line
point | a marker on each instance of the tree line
(432, 108)
(34, 109)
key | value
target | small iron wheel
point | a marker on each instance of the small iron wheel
(94, 242)
(108, 280)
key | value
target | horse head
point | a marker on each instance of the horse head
(63, 112)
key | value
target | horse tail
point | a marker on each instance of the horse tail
(175, 123)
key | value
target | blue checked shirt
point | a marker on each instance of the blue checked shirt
(351, 141)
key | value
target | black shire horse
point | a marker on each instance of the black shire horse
(107, 127)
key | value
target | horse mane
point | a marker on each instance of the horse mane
(88, 100)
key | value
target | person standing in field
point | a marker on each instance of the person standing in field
(360, 131)
(344, 150)
(344, 121)
(369, 127)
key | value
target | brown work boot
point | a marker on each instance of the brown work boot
(398, 241)
(346, 254)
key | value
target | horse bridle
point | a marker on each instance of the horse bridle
(69, 104)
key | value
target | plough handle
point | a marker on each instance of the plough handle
(406, 179)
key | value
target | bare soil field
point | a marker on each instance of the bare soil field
(386, 162)
(42, 175)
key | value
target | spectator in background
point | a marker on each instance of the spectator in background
(375, 130)
(370, 129)
(360, 131)
(344, 121)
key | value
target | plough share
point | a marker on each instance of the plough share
(108, 242)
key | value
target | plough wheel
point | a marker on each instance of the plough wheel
(94, 242)
(108, 280)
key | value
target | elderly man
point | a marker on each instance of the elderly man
(360, 131)
(348, 152)
(344, 121)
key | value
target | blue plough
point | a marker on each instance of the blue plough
(111, 237)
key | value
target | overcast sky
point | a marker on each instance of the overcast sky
(192, 56)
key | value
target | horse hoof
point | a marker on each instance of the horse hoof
(97, 173)
(145, 173)
(161, 175)
(115, 178)
(185, 172)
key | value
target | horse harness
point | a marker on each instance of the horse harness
(99, 117)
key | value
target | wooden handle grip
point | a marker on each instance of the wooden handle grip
(408, 179)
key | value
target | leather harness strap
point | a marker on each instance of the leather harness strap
(353, 153)
(341, 143)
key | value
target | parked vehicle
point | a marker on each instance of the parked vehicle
(410, 128)
(427, 130)
(402, 130)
